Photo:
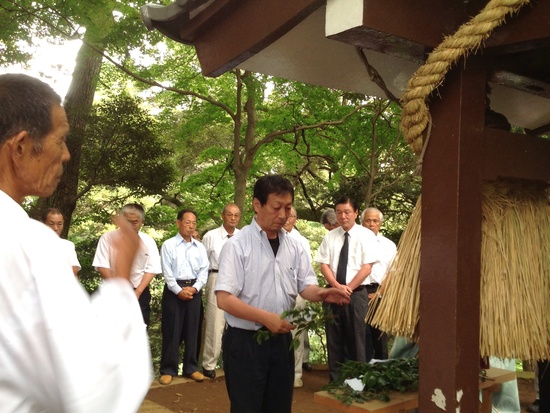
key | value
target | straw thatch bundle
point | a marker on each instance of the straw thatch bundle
(398, 312)
(515, 275)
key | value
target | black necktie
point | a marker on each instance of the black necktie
(229, 235)
(343, 261)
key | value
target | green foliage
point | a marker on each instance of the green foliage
(206, 133)
(155, 335)
(122, 149)
(310, 318)
(112, 24)
(380, 379)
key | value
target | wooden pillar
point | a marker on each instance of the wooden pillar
(451, 243)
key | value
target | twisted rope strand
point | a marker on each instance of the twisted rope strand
(468, 37)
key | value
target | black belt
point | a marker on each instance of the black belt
(213, 270)
(371, 288)
(186, 283)
(228, 327)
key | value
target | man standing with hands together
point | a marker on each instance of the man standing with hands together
(213, 241)
(346, 256)
(372, 219)
(185, 269)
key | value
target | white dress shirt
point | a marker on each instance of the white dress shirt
(386, 253)
(213, 241)
(251, 272)
(182, 260)
(60, 349)
(303, 241)
(362, 250)
(70, 252)
(147, 258)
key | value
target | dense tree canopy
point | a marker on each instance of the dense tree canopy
(124, 149)
(147, 127)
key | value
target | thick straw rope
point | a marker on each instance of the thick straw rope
(468, 37)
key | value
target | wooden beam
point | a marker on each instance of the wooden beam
(451, 244)
(248, 29)
(426, 23)
(528, 30)
(409, 32)
(511, 155)
(523, 83)
(541, 130)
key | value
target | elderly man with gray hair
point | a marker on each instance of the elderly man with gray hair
(328, 219)
(61, 350)
(372, 219)
(146, 263)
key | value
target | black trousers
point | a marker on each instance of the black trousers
(145, 305)
(348, 337)
(544, 386)
(379, 343)
(259, 377)
(179, 324)
(379, 339)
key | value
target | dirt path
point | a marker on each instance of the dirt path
(186, 396)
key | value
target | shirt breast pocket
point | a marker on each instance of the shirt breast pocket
(290, 281)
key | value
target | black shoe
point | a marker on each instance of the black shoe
(534, 407)
(211, 374)
(306, 367)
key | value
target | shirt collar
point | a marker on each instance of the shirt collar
(349, 231)
(259, 230)
(225, 234)
(181, 240)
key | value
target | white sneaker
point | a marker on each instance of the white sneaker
(298, 383)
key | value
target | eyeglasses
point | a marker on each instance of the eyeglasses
(373, 221)
(232, 215)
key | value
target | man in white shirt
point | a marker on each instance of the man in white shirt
(213, 241)
(261, 272)
(53, 218)
(348, 271)
(372, 219)
(60, 349)
(299, 351)
(146, 264)
(185, 270)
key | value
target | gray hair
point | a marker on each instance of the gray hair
(369, 210)
(26, 105)
(329, 217)
(134, 209)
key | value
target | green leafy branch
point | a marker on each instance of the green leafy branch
(380, 379)
(312, 317)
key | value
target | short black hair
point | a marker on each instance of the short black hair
(26, 105)
(347, 200)
(272, 184)
(185, 211)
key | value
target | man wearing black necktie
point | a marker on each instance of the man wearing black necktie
(346, 256)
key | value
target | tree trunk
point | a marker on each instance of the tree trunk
(77, 104)
(240, 188)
